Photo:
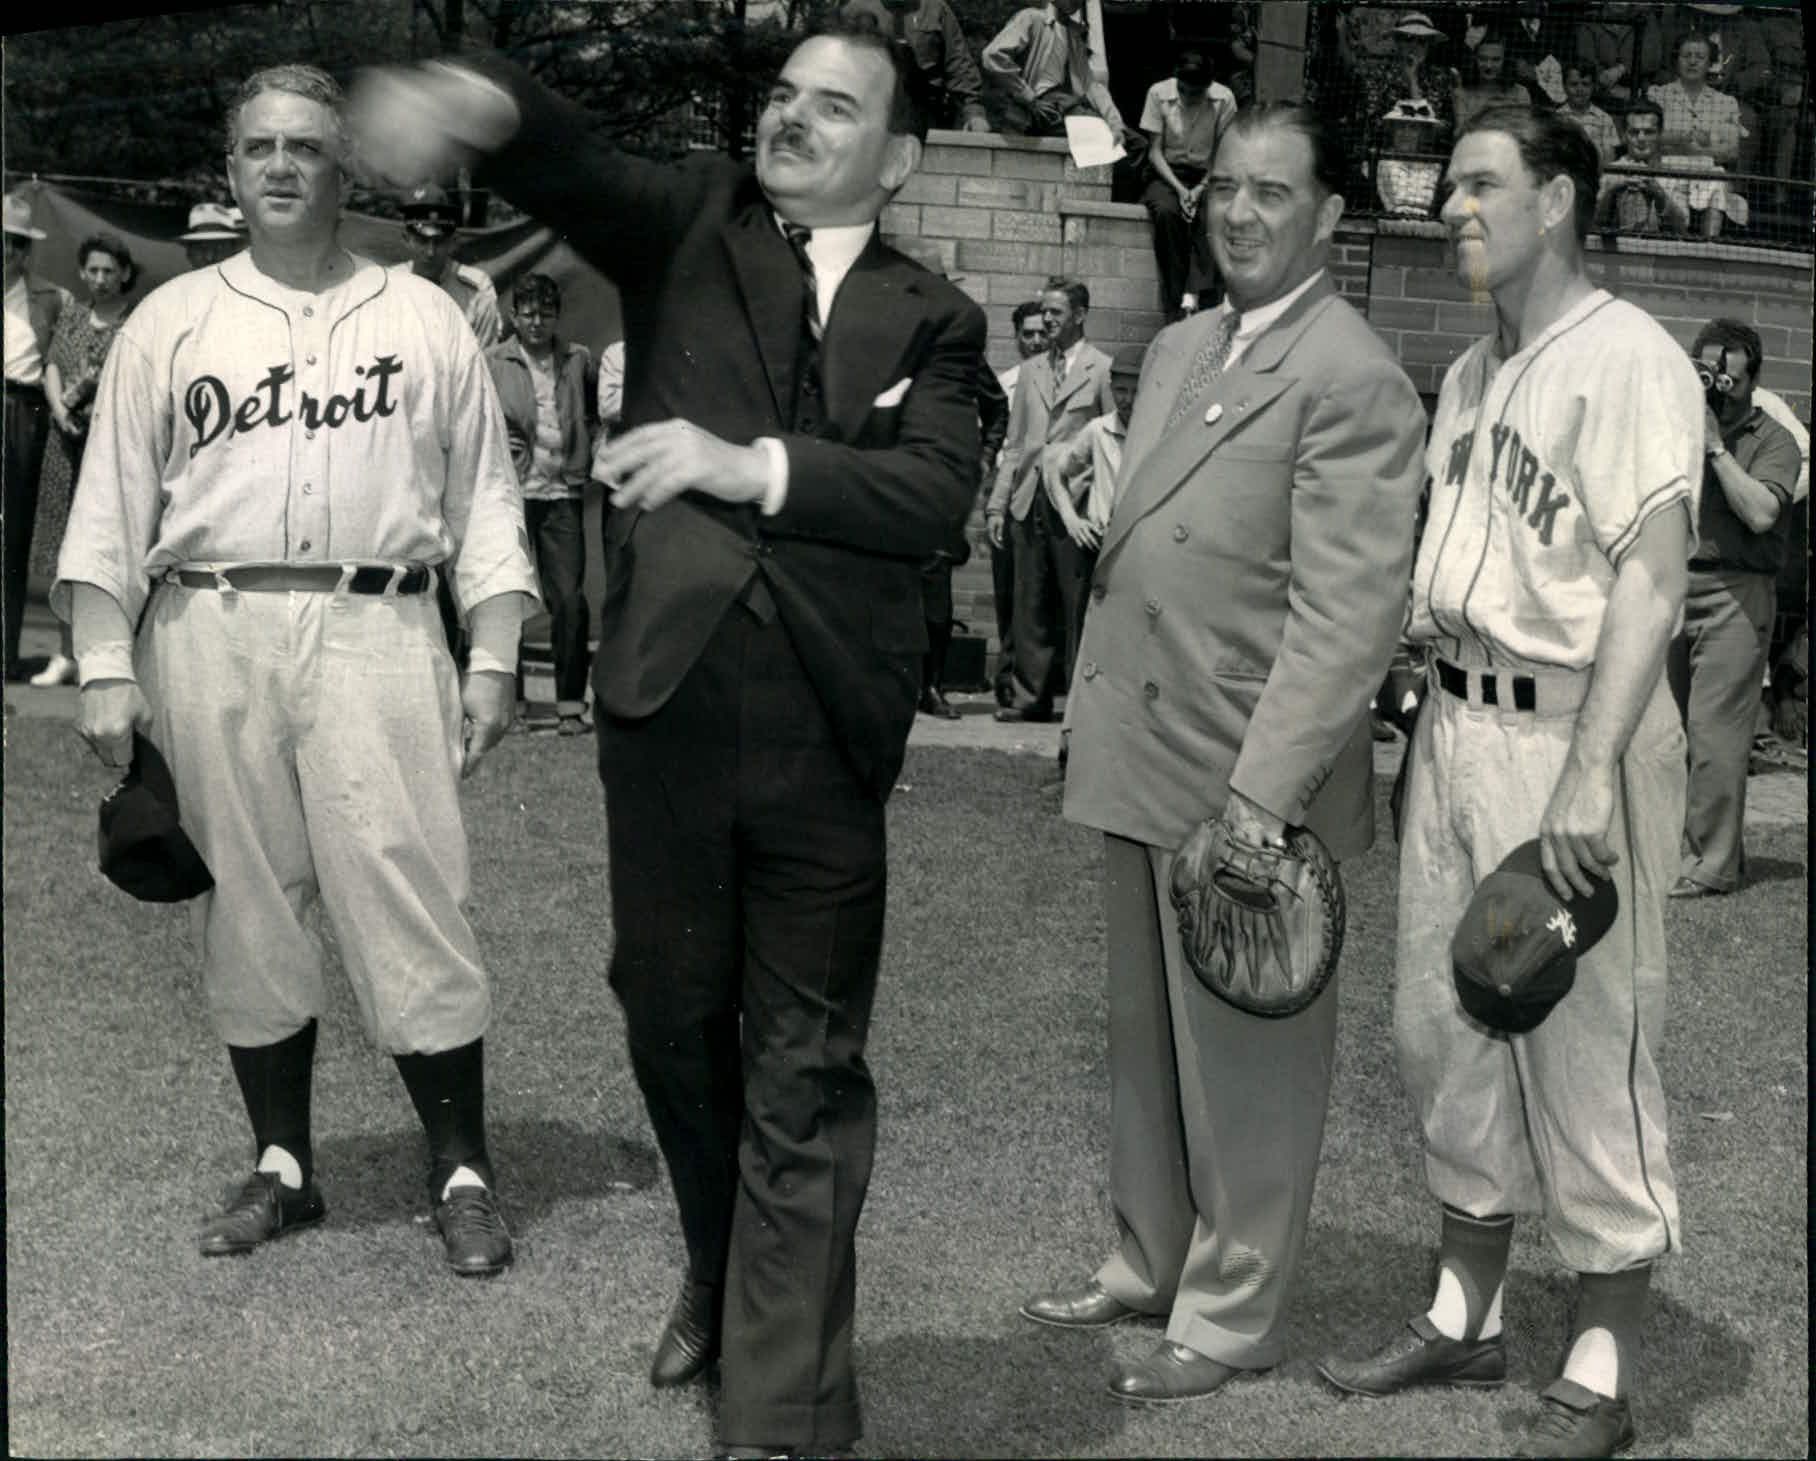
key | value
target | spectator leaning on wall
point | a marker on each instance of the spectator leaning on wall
(931, 31)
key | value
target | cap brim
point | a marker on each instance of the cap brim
(210, 235)
(26, 232)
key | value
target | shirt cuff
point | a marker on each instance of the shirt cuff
(108, 661)
(775, 491)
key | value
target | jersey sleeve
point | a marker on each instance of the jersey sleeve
(113, 518)
(481, 502)
(1640, 445)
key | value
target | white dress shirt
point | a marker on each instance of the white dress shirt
(1256, 320)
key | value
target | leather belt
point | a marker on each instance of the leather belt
(1554, 693)
(371, 578)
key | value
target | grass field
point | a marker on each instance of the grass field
(123, 1130)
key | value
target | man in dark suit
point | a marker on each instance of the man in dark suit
(1248, 593)
(1057, 395)
(802, 413)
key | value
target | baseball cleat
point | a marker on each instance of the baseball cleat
(473, 1232)
(263, 1209)
(1420, 1356)
(1578, 1422)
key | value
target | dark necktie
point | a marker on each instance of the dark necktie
(1207, 365)
(810, 409)
(797, 237)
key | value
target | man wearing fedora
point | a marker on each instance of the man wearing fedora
(216, 231)
(430, 224)
(33, 307)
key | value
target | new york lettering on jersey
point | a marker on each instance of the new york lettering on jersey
(1514, 470)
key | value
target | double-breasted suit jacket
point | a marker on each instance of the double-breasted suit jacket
(1044, 415)
(1249, 591)
(1251, 584)
(712, 298)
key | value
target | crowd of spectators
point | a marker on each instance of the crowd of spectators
(1715, 92)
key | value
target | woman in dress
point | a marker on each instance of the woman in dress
(71, 371)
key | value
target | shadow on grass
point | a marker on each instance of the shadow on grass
(1774, 870)
(1687, 1362)
(374, 1177)
(1030, 1391)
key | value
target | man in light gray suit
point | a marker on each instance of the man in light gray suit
(1248, 594)
(1056, 396)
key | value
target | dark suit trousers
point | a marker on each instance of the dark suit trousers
(1182, 246)
(27, 430)
(1002, 593)
(747, 883)
(1049, 604)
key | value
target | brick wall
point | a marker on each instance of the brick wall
(1416, 301)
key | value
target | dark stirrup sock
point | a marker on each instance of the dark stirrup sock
(1615, 1302)
(275, 1082)
(1475, 1250)
(448, 1090)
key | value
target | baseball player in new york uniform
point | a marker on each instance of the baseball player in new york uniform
(287, 450)
(1564, 468)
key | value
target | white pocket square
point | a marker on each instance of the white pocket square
(893, 396)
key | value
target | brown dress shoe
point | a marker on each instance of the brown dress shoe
(1420, 1356)
(263, 1209)
(1088, 1307)
(1170, 1374)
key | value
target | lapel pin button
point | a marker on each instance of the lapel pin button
(1214, 414)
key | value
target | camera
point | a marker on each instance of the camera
(1714, 382)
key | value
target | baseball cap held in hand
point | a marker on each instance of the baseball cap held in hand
(1515, 949)
(144, 849)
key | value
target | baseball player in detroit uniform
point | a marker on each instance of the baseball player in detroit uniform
(1564, 467)
(287, 450)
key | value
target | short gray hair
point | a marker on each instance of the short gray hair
(309, 82)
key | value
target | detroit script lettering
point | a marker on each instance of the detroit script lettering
(212, 413)
(1517, 471)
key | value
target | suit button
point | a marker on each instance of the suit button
(1151, 690)
(1153, 608)
(1180, 533)
(1090, 669)
(1098, 591)
(1242, 405)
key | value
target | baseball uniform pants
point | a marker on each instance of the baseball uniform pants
(1718, 664)
(1567, 1120)
(315, 739)
(1216, 1120)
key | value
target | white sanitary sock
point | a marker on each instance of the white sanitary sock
(288, 1170)
(1449, 1311)
(463, 1177)
(1595, 1362)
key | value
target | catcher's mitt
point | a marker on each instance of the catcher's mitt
(1262, 926)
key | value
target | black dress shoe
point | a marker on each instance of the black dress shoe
(1420, 1356)
(1172, 1373)
(690, 1340)
(263, 1209)
(1023, 715)
(1578, 1422)
(934, 703)
(1080, 1308)
(473, 1232)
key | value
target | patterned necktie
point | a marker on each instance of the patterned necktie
(797, 237)
(1208, 365)
(1056, 361)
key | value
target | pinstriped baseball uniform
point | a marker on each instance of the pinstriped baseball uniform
(1543, 469)
(315, 737)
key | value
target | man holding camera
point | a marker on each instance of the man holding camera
(1718, 660)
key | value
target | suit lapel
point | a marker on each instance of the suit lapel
(875, 315)
(1082, 374)
(1157, 465)
(774, 295)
